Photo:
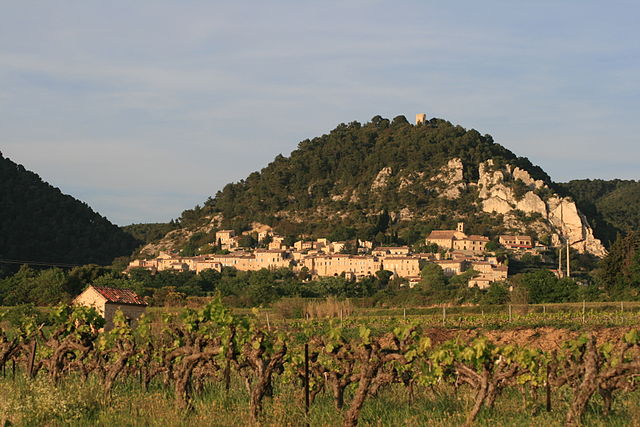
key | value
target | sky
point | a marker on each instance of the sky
(145, 108)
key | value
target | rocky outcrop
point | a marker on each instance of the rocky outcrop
(497, 205)
(524, 176)
(563, 220)
(382, 179)
(450, 180)
(572, 225)
(175, 239)
(532, 203)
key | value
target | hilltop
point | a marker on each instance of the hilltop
(391, 181)
(39, 223)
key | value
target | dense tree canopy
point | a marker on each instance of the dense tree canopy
(39, 223)
(619, 273)
(325, 186)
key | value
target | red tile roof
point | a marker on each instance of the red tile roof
(120, 296)
(442, 234)
(478, 238)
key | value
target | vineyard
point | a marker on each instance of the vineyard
(211, 366)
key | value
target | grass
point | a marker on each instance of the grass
(37, 402)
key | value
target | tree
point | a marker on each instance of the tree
(543, 286)
(247, 241)
(383, 277)
(433, 282)
(492, 246)
(498, 293)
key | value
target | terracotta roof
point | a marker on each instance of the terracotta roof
(477, 238)
(442, 234)
(447, 261)
(120, 296)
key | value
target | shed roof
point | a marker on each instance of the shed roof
(120, 296)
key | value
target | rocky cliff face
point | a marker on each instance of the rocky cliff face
(506, 190)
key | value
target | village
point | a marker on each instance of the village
(457, 253)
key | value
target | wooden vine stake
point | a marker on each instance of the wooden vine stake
(548, 391)
(32, 357)
(306, 383)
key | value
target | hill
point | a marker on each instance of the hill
(39, 223)
(392, 182)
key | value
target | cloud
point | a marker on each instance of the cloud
(136, 100)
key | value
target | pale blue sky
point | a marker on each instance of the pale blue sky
(144, 108)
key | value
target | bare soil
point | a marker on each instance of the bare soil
(545, 338)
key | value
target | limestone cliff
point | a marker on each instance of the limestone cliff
(496, 191)
(449, 182)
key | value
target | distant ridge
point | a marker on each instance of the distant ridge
(41, 224)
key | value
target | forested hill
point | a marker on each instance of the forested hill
(39, 223)
(356, 174)
(612, 206)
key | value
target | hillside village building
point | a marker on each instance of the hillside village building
(458, 240)
(107, 301)
(516, 242)
(322, 258)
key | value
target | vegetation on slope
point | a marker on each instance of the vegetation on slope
(149, 232)
(326, 184)
(39, 223)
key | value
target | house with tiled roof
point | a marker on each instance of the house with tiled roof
(458, 240)
(107, 301)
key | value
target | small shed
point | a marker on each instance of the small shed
(107, 301)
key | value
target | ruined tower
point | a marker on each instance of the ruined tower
(421, 118)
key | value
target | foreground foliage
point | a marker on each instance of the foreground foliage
(190, 355)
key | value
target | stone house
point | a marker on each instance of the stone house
(474, 243)
(271, 258)
(277, 242)
(451, 267)
(457, 240)
(391, 250)
(335, 265)
(302, 245)
(516, 242)
(336, 247)
(107, 301)
(227, 239)
(445, 238)
(208, 265)
(402, 266)
(489, 273)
